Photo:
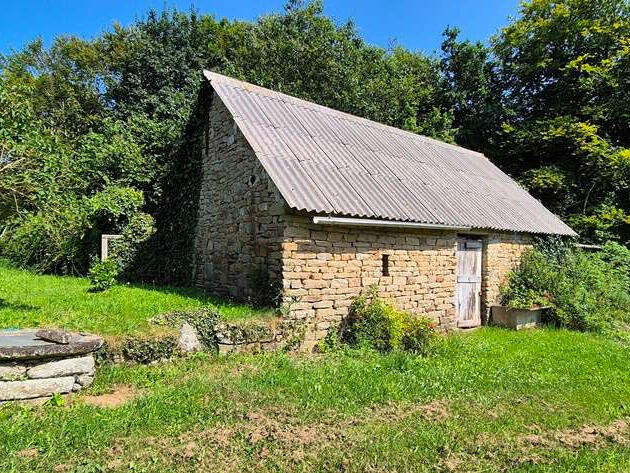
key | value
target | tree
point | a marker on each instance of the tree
(563, 67)
(470, 89)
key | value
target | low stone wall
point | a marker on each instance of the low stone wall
(33, 368)
(38, 380)
(260, 336)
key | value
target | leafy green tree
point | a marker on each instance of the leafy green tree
(470, 90)
(548, 101)
(563, 66)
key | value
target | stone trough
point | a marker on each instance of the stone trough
(35, 364)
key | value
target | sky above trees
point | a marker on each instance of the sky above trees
(416, 24)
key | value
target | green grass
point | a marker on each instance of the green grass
(32, 300)
(492, 400)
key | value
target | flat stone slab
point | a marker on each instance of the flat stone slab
(61, 368)
(35, 388)
(25, 345)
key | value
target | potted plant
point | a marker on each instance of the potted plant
(520, 309)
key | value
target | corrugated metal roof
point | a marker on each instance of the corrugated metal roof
(327, 161)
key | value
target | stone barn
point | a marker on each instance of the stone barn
(323, 205)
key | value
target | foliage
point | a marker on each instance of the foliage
(584, 291)
(103, 274)
(564, 69)
(203, 320)
(373, 322)
(62, 239)
(56, 400)
(547, 101)
(470, 90)
(48, 241)
(146, 350)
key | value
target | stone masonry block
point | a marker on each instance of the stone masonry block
(60, 368)
(35, 388)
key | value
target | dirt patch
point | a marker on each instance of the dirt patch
(535, 448)
(28, 453)
(436, 411)
(593, 436)
(119, 396)
(275, 426)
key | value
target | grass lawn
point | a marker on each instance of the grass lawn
(492, 400)
(32, 300)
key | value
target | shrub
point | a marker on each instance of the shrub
(103, 274)
(584, 291)
(49, 241)
(419, 335)
(373, 322)
(61, 238)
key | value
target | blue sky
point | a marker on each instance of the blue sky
(416, 24)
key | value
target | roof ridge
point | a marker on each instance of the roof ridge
(210, 76)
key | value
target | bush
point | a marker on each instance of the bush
(61, 238)
(373, 322)
(103, 274)
(49, 241)
(584, 291)
(419, 335)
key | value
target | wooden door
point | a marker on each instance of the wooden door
(468, 283)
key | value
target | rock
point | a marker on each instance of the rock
(57, 336)
(76, 387)
(38, 401)
(66, 367)
(188, 341)
(24, 345)
(11, 371)
(35, 388)
(85, 380)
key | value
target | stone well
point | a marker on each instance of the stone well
(35, 364)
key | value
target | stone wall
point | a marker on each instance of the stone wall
(325, 267)
(255, 336)
(239, 231)
(36, 381)
(502, 253)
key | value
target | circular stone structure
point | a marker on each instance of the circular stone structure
(36, 364)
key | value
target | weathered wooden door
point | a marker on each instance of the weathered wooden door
(468, 283)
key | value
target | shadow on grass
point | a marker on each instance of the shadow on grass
(205, 299)
(4, 304)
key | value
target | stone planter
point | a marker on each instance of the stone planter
(516, 319)
(34, 365)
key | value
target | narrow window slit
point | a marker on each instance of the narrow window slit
(385, 265)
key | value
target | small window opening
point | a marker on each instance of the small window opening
(385, 265)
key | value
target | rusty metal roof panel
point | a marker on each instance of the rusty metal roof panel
(327, 161)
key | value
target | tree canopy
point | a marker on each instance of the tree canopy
(91, 131)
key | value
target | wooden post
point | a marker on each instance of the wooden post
(105, 244)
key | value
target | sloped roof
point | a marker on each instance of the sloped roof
(331, 162)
